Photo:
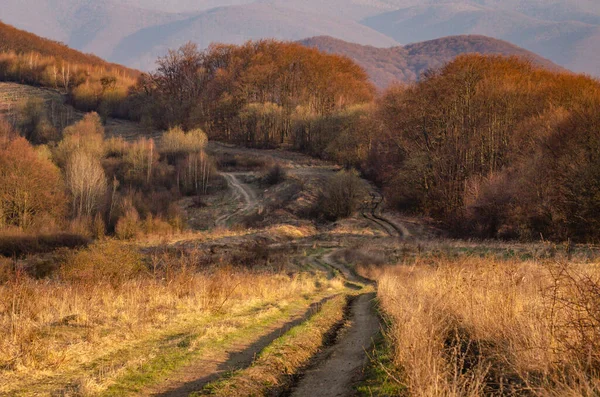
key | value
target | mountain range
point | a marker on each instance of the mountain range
(406, 63)
(135, 32)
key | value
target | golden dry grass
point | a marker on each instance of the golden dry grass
(87, 331)
(472, 326)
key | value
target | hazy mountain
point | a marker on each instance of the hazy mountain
(566, 32)
(136, 31)
(405, 64)
(237, 25)
(95, 26)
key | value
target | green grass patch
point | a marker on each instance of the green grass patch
(381, 377)
(178, 350)
(275, 366)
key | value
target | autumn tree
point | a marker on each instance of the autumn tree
(186, 151)
(86, 182)
(31, 187)
(470, 145)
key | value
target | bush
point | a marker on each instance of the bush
(107, 261)
(176, 142)
(6, 270)
(275, 175)
(342, 196)
(128, 226)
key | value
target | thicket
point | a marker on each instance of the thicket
(249, 94)
(91, 186)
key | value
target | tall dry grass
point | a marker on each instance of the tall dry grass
(472, 326)
(107, 297)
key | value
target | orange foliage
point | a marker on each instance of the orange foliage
(494, 146)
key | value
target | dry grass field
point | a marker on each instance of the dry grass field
(113, 313)
(473, 326)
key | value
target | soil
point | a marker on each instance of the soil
(338, 368)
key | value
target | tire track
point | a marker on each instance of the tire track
(240, 191)
(372, 213)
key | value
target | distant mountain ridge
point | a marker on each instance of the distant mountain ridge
(135, 32)
(406, 63)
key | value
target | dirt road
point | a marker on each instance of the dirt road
(239, 355)
(241, 191)
(340, 367)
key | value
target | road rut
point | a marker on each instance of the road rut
(340, 367)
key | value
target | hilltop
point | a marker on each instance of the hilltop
(406, 63)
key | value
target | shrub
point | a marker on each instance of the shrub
(342, 195)
(275, 175)
(85, 136)
(6, 270)
(128, 226)
(176, 142)
(107, 261)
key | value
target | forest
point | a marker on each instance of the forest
(490, 146)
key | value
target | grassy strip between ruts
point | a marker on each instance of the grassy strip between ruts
(275, 366)
(187, 348)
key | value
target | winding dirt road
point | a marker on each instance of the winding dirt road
(241, 191)
(337, 369)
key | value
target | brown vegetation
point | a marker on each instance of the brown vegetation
(473, 326)
(78, 327)
(249, 93)
(493, 147)
(112, 186)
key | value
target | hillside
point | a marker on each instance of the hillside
(405, 64)
(22, 42)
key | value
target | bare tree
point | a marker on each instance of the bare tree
(86, 182)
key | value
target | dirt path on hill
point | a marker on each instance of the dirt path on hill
(336, 370)
(241, 191)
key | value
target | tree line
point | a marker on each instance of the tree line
(90, 83)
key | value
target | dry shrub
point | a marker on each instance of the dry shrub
(342, 195)
(105, 261)
(128, 226)
(177, 142)
(472, 327)
(6, 269)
